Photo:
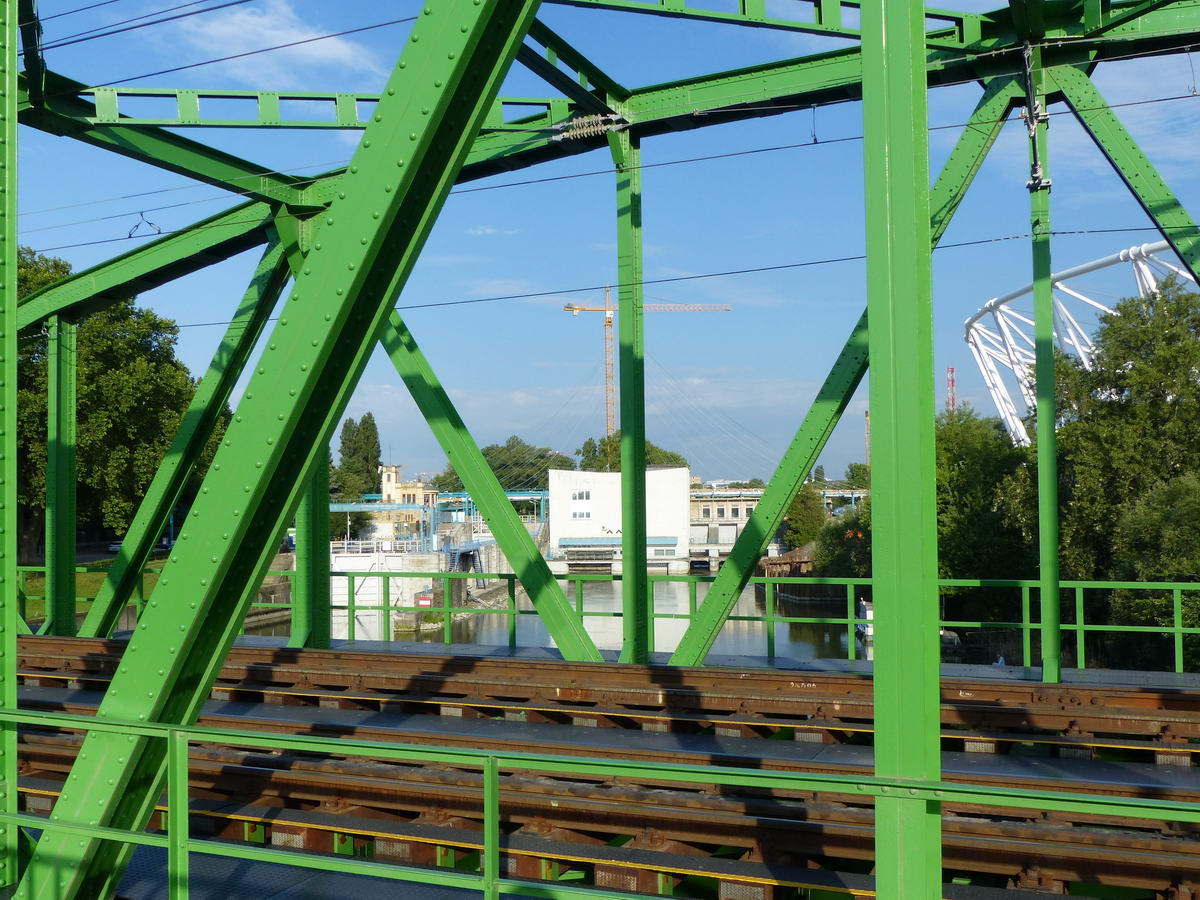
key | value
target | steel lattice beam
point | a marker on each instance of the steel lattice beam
(441, 90)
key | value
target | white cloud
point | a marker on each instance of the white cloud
(490, 231)
(271, 23)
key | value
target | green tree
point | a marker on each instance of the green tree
(1128, 425)
(975, 536)
(844, 545)
(359, 454)
(131, 395)
(858, 475)
(1157, 539)
(752, 484)
(604, 455)
(805, 517)
(518, 465)
(349, 485)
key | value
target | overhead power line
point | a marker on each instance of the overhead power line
(233, 56)
(95, 34)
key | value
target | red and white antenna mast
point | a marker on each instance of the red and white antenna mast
(951, 392)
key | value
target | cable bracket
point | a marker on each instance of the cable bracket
(1035, 116)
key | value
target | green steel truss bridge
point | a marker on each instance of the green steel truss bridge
(347, 240)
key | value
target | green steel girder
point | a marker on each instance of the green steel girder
(485, 489)
(409, 158)
(189, 108)
(172, 256)
(585, 69)
(1127, 13)
(1044, 352)
(586, 100)
(1131, 164)
(952, 28)
(64, 113)
(60, 476)
(904, 564)
(956, 177)
(31, 50)
(637, 611)
(1029, 18)
(191, 438)
(312, 608)
(9, 618)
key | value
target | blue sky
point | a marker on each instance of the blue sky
(725, 389)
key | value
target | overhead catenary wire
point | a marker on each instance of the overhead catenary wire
(233, 56)
(95, 34)
(71, 12)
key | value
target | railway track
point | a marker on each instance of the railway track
(613, 833)
(1156, 724)
(407, 813)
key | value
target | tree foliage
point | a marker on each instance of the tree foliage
(844, 545)
(805, 517)
(131, 394)
(359, 456)
(975, 539)
(752, 484)
(857, 475)
(1128, 425)
(518, 465)
(604, 455)
(975, 536)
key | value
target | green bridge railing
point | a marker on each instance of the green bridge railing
(485, 874)
(1019, 597)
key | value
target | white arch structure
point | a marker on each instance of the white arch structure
(1001, 336)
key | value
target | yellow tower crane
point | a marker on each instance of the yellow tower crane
(610, 391)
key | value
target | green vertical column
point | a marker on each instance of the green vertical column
(1043, 305)
(60, 476)
(9, 834)
(310, 589)
(904, 551)
(635, 589)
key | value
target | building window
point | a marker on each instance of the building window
(706, 512)
(749, 509)
(734, 511)
(660, 552)
(586, 514)
(581, 495)
(720, 512)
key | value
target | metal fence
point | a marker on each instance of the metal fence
(1172, 637)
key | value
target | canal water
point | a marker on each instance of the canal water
(602, 604)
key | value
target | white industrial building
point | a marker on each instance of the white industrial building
(585, 519)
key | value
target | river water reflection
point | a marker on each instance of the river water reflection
(793, 640)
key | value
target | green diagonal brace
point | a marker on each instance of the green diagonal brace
(1131, 164)
(60, 476)
(481, 483)
(194, 432)
(443, 85)
(9, 800)
(959, 171)
(171, 256)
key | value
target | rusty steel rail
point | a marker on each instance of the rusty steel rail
(986, 714)
(379, 799)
